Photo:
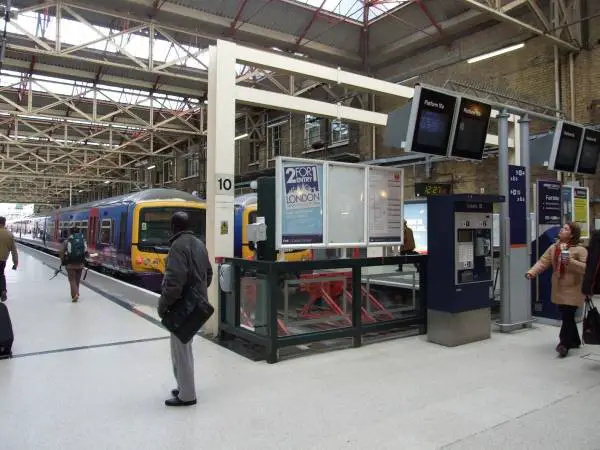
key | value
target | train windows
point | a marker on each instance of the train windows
(122, 230)
(252, 216)
(83, 228)
(106, 231)
(155, 225)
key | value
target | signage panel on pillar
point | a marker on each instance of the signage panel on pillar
(471, 129)
(565, 147)
(430, 122)
(590, 152)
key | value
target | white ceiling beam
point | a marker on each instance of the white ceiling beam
(71, 73)
(503, 17)
(287, 64)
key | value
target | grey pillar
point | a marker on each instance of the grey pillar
(526, 162)
(504, 217)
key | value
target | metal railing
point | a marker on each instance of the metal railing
(282, 304)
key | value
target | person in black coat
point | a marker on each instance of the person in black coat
(590, 285)
(188, 268)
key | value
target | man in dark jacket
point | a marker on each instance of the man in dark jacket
(591, 285)
(188, 267)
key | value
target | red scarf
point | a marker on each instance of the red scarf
(558, 262)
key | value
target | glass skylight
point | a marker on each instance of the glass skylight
(354, 9)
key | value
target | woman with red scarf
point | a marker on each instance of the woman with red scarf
(567, 257)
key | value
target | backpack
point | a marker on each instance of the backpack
(75, 253)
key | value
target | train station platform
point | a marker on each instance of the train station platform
(94, 375)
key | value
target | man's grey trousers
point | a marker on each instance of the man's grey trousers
(183, 368)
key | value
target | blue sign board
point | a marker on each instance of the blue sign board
(549, 214)
(302, 209)
(548, 202)
(517, 208)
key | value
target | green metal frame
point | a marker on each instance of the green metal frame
(229, 325)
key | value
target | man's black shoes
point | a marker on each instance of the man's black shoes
(175, 401)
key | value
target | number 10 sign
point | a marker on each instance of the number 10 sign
(224, 184)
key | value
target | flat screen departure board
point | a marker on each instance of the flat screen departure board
(590, 152)
(471, 129)
(565, 147)
(430, 122)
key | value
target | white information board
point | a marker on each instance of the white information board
(346, 205)
(386, 206)
(325, 204)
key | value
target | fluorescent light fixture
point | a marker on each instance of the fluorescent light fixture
(496, 53)
(80, 191)
(151, 167)
(107, 182)
(241, 136)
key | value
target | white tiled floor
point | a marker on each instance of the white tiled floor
(510, 392)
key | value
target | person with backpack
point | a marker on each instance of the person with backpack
(591, 281)
(7, 247)
(72, 256)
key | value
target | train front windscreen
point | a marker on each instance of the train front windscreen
(155, 225)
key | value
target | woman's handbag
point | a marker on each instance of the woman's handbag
(186, 316)
(591, 323)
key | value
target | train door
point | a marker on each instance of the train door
(57, 230)
(93, 227)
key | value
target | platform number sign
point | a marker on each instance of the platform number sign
(517, 206)
(224, 184)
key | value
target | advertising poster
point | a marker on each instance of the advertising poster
(302, 212)
(385, 206)
(567, 204)
(517, 187)
(548, 203)
(581, 210)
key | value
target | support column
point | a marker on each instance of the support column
(504, 216)
(526, 162)
(220, 163)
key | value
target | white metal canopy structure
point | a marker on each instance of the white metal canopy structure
(93, 92)
(224, 93)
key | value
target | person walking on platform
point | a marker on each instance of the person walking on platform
(73, 254)
(408, 246)
(188, 270)
(567, 257)
(7, 247)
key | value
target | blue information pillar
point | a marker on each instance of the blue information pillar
(460, 268)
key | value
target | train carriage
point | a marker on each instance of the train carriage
(129, 234)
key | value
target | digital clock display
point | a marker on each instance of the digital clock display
(471, 129)
(433, 123)
(590, 152)
(427, 189)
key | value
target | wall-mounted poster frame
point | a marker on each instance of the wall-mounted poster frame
(300, 203)
(327, 204)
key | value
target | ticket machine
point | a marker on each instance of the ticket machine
(459, 283)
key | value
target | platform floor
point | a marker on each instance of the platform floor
(94, 375)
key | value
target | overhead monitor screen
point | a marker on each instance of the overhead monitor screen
(433, 123)
(471, 129)
(590, 151)
(565, 148)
